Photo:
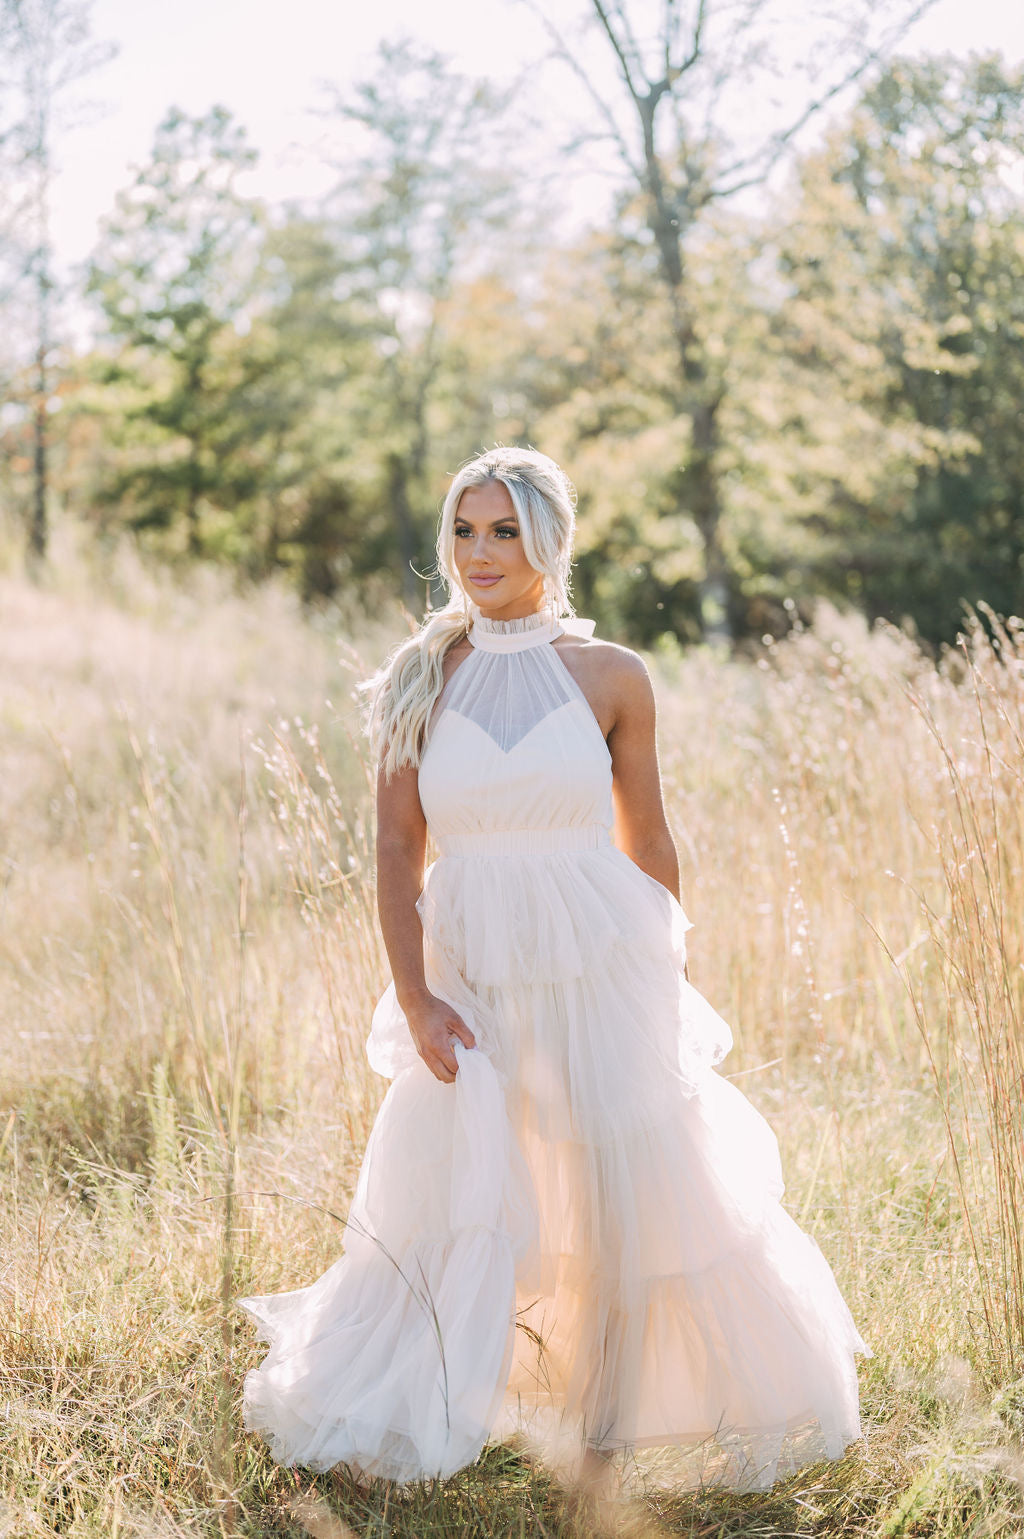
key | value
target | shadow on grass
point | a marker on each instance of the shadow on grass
(507, 1496)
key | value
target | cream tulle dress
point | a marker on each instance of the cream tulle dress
(582, 1237)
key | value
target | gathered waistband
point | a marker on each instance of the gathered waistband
(526, 841)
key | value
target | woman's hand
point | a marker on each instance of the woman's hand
(433, 1025)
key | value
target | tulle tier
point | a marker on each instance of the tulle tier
(582, 1239)
(394, 1362)
(536, 915)
(674, 1300)
(571, 963)
(647, 1290)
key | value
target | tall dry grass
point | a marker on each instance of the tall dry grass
(190, 959)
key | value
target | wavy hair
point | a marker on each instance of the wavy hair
(403, 692)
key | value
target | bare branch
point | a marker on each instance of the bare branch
(781, 141)
(670, 22)
(656, 89)
(567, 56)
(618, 50)
(728, 53)
(698, 40)
(630, 37)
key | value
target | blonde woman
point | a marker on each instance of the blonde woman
(566, 1221)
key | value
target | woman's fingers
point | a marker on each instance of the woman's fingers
(440, 1070)
(458, 1028)
(447, 1065)
(439, 1056)
(436, 1038)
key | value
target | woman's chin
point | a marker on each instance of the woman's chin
(488, 594)
(499, 601)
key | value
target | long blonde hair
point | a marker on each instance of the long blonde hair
(403, 692)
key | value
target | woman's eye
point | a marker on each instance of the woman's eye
(509, 534)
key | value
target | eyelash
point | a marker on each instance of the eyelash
(512, 533)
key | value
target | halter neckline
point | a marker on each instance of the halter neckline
(513, 635)
(518, 635)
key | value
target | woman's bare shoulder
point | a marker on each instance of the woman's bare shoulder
(615, 663)
(614, 678)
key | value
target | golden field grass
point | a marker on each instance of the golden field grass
(189, 960)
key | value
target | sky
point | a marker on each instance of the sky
(267, 59)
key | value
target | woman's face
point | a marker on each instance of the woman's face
(489, 558)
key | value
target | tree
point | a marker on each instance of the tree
(46, 49)
(178, 275)
(424, 200)
(601, 384)
(680, 124)
(303, 366)
(902, 319)
(289, 394)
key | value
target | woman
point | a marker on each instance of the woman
(565, 1220)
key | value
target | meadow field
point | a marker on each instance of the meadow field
(188, 963)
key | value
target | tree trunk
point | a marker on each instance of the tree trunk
(194, 479)
(405, 536)
(697, 398)
(706, 506)
(38, 527)
(195, 473)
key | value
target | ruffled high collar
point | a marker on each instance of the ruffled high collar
(517, 635)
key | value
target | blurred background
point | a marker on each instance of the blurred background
(750, 272)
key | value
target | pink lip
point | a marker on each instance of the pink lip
(485, 582)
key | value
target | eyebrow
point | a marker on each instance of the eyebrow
(508, 519)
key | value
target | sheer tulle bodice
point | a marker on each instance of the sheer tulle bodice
(584, 1235)
(533, 760)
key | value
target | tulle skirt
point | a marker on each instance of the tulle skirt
(583, 1238)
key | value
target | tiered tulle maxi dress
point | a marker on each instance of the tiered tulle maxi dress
(583, 1236)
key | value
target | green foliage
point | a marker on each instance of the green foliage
(291, 390)
(898, 348)
(176, 276)
(285, 394)
(604, 383)
(422, 199)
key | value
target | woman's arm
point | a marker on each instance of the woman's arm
(401, 854)
(641, 827)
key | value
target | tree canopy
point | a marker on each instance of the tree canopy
(289, 388)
